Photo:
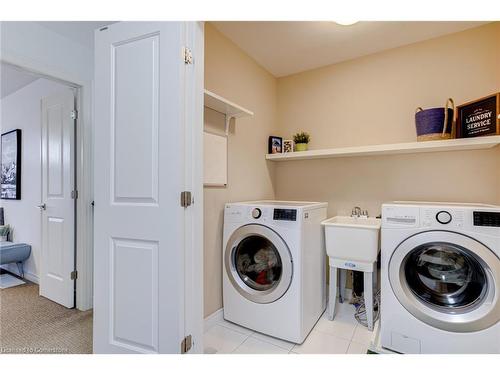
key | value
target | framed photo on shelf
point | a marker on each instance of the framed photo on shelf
(10, 177)
(288, 145)
(275, 145)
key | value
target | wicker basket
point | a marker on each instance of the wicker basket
(435, 123)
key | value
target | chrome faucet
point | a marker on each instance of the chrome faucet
(357, 212)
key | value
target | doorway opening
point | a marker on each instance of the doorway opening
(41, 310)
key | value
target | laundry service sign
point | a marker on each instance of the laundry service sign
(480, 117)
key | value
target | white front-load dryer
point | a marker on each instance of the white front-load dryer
(440, 278)
(274, 267)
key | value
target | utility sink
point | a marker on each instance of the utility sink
(352, 238)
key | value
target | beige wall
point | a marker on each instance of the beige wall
(371, 100)
(230, 73)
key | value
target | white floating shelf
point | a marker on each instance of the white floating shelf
(391, 149)
(226, 107)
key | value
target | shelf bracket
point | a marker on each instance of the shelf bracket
(228, 122)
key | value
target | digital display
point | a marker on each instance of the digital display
(486, 219)
(285, 214)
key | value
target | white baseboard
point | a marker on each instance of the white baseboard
(27, 275)
(31, 277)
(213, 319)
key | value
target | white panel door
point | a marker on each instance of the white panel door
(58, 206)
(139, 175)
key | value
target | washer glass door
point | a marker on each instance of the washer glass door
(447, 280)
(258, 263)
(446, 276)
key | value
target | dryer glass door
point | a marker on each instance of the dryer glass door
(447, 280)
(258, 263)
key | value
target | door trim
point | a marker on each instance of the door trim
(193, 273)
(483, 316)
(265, 296)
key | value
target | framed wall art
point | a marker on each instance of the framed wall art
(10, 178)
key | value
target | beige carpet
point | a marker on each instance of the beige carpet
(33, 324)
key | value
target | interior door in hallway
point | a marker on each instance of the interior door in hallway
(58, 204)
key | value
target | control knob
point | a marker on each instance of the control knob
(256, 213)
(443, 217)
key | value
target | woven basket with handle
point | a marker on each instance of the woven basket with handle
(435, 123)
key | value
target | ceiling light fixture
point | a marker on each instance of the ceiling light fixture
(346, 22)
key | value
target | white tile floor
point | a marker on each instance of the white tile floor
(344, 335)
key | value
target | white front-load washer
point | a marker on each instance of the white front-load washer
(274, 267)
(440, 278)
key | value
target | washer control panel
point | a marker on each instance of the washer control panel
(400, 217)
(452, 217)
(286, 214)
(486, 219)
(443, 217)
(438, 217)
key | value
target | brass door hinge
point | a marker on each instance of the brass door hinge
(186, 344)
(188, 56)
(186, 199)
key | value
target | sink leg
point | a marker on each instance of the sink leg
(368, 294)
(343, 277)
(332, 293)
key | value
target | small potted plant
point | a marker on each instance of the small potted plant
(301, 140)
(4, 232)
